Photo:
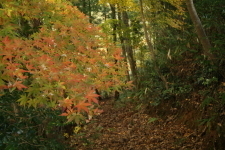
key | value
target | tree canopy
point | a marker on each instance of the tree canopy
(56, 57)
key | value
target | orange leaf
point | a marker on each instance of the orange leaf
(66, 103)
(19, 73)
(64, 114)
(6, 40)
(118, 57)
(117, 54)
(18, 85)
(92, 97)
(98, 111)
(109, 64)
(29, 67)
(82, 106)
(3, 87)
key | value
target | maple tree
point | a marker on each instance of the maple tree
(61, 61)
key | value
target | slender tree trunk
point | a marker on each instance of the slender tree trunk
(150, 46)
(128, 46)
(122, 42)
(86, 9)
(147, 36)
(84, 6)
(113, 16)
(200, 31)
(89, 11)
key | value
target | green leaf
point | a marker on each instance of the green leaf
(23, 100)
(33, 90)
(52, 104)
(150, 120)
(34, 102)
(75, 117)
(2, 82)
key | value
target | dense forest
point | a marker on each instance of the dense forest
(112, 74)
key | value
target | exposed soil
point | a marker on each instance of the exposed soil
(127, 127)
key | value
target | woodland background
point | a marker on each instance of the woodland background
(59, 58)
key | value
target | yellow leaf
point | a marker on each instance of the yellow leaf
(9, 12)
(76, 129)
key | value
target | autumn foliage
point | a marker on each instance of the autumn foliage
(60, 62)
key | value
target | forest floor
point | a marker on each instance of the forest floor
(126, 126)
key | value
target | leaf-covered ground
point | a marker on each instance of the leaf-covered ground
(127, 127)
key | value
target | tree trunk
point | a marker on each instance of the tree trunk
(147, 36)
(128, 46)
(114, 26)
(122, 42)
(200, 31)
(89, 11)
(150, 46)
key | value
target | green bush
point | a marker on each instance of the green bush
(23, 128)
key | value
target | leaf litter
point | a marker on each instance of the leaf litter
(126, 128)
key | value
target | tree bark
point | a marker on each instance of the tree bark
(199, 29)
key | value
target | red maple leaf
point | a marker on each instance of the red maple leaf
(19, 73)
(66, 103)
(64, 114)
(29, 66)
(49, 40)
(3, 87)
(92, 97)
(82, 106)
(18, 85)
(109, 64)
(98, 111)
(6, 40)
(7, 55)
(118, 56)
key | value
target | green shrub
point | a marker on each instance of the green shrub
(23, 128)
